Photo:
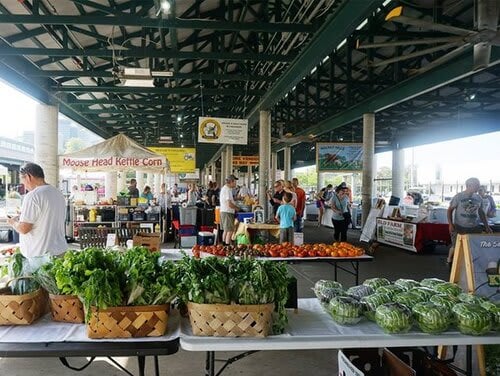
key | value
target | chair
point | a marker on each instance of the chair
(97, 236)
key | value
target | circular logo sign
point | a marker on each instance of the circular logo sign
(210, 129)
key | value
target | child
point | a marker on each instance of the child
(286, 216)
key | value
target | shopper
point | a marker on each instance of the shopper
(489, 206)
(164, 200)
(276, 198)
(175, 191)
(132, 189)
(321, 198)
(227, 209)
(464, 213)
(338, 204)
(43, 214)
(288, 187)
(192, 194)
(301, 204)
(147, 194)
(286, 216)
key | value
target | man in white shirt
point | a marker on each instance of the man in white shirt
(227, 209)
(43, 213)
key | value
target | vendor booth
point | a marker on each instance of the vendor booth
(117, 154)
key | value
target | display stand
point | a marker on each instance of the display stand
(463, 260)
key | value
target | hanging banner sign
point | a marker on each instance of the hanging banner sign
(111, 163)
(222, 130)
(245, 160)
(396, 233)
(485, 252)
(190, 176)
(344, 157)
(182, 160)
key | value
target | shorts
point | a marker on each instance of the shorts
(319, 204)
(286, 235)
(227, 221)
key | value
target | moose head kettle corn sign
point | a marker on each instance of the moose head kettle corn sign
(222, 131)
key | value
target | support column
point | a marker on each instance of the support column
(213, 172)
(229, 160)
(121, 181)
(157, 185)
(368, 154)
(398, 173)
(274, 168)
(139, 176)
(249, 178)
(223, 167)
(46, 140)
(287, 168)
(110, 183)
(264, 155)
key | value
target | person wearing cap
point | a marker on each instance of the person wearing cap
(227, 209)
(43, 214)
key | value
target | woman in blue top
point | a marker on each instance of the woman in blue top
(339, 204)
(146, 193)
(286, 216)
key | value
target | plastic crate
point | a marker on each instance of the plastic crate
(188, 241)
(153, 217)
(138, 216)
(187, 216)
(187, 230)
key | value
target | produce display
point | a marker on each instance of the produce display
(215, 280)
(13, 268)
(432, 305)
(337, 249)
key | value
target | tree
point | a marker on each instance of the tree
(73, 144)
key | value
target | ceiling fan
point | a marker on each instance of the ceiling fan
(481, 39)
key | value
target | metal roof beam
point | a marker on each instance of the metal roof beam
(411, 88)
(279, 27)
(141, 53)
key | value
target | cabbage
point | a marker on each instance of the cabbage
(472, 319)
(371, 302)
(432, 318)
(448, 288)
(375, 283)
(345, 310)
(471, 298)
(431, 282)
(409, 298)
(393, 318)
(443, 300)
(392, 290)
(494, 309)
(406, 284)
(424, 292)
(359, 291)
(326, 290)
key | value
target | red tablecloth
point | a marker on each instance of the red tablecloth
(427, 232)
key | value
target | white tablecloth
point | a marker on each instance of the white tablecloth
(312, 328)
(45, 330)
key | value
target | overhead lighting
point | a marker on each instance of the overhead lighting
(162, 6)
(165, 141)
(179, 118)
(181, 135)
(166, 138)
(142, 77)
(162, 74)
(182, 145)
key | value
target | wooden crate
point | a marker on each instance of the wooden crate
(66, 308)
(231, 320)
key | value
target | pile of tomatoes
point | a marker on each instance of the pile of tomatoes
(341, 249)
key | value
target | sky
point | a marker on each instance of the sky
(458, 160)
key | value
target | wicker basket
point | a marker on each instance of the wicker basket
(231, 320)
(66, 308)
(21, 309)
(128, 321)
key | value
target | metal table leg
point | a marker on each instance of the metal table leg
(141, 360)
(210, 364)
(335, 271)
(468, 360)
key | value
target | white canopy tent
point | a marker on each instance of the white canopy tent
(119, 153)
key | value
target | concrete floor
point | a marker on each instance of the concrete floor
(391, 263)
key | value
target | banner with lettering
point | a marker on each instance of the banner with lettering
(181, 160)
(113, 163)
(245, 160)
(397, 233)
(222, 131)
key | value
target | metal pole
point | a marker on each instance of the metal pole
(46, 136)
(223, 168)
(274, 167)
(264, 155)
(368, 156)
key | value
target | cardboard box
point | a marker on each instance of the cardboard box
(359, 362)
(148, 240)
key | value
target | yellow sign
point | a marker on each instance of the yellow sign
(180, 159)
(245, 160)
